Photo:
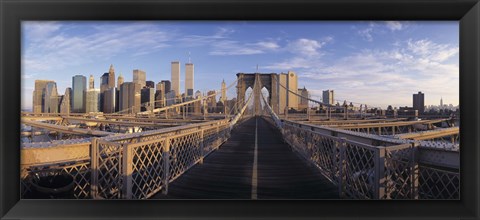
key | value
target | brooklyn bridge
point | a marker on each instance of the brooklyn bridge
(255, 150)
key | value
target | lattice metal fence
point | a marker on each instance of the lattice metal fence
(107, 169)
(435, 183)
(364, 171)
(78, 170)
(139, 167)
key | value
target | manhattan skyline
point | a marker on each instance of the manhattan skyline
(376, 63)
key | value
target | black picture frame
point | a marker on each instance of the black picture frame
(12, 12)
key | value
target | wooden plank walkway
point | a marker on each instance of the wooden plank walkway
(229, 172)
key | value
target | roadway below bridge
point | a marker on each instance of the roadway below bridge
(253, 164)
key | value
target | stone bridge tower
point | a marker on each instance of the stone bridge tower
(267, 80)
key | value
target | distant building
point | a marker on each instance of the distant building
(38, 94)
(168, 85)
(79, 87)
(160, 95)
(189, 80)
(287, 91)
(419, 102)
(50, 98)
(223, 97)
(197, 106)
(231, 103)
(111, 77)
(130, 97)
(104, 83)
(107, 81)
(176, 77)
(170, 98)
(147, 99)
(328, 97)
(150, 84)
(110, 101)
(92, 100)
(303, 102)
(91, 82)
(139, 76)
(120, 81)
(212, 101)
(292, 82)
(65, 101)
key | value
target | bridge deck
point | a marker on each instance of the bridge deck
(227, 172)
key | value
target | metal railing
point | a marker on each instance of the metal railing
(140, 167)
(364, 171)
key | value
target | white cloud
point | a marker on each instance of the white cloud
(306, 52)
(394, 25)
(376, 77)
(375, 28)
(431, 51)
(306, 47)
(57, 50)
(366, 33)
(38, 30)
(230, 47)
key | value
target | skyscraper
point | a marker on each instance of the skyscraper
(160, 95)
(92, 100)
(176, 77)
(50, 98)
(111, 77)
(139, 76)
(419, 102)
(79, 86)
(65, 101)
(130, 97)
(38, 94)
(328, 97)
(197, 106)
(223, 97)
(147, 99)
(107, 82)
(441, 102)
(189, 71)
(303, 101)
(91, 84)
(292, 82)
(168, 85)
(119, 81)
(110, 100)
(104, 83)
(212, 101)
(150, 84)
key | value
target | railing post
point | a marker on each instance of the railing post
(166, 161)
(308, 113)
(415, 171)
(94, 168)
(218, 141)
(286, 112)
(341, 166)
(127, 169)
(379, 184)
(202, 146)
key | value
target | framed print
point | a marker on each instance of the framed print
(263, 110)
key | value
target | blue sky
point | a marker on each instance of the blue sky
(377, 63)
